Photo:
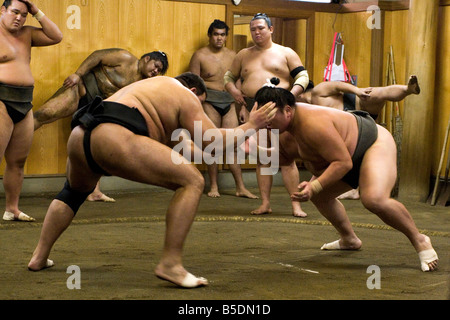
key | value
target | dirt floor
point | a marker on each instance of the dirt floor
(272, 257)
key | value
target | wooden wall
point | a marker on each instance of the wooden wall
(442, 100)
(179, 28)
(140, 26)
(357, 43)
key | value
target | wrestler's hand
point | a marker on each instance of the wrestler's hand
(261, 117)
(304, 194)
(364, 94)
(239, 97)
(243, 115)
(71, 81)
(32, 8)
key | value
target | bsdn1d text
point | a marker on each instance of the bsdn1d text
(241, 309)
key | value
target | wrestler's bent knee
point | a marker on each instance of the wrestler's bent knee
(74, 199)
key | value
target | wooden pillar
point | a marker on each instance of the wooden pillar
(416, 157)
(377, 54)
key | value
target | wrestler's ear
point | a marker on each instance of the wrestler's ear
(194, 90)
(288, 110)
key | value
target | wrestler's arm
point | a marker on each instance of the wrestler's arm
(109, 57)
(331, 147)
(194, 64)
(192, 112)
(294, 61)
(338, 87)
(49, 34)
(233, 76)
(327, 143)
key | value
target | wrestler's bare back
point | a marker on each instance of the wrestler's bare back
(163, 113)
(334, 101)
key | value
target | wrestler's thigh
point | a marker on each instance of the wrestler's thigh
(379, 167)
(21, 139)
(6, 129)
(377, 95)
(78, 172)
(212, 114)
(64, 102)
(328, 196)
(230, 119)
(122, 153)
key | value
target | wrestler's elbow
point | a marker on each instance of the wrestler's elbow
(60, 38)
(54, 34)
(57, 37)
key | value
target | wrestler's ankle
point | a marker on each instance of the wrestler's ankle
(353, 243)
(169, 269)
(36, 263)
(422, 242)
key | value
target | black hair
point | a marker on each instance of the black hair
(275, 81)
(159, 56)
(280, 96)
(6, 3)
(264, 17)
(218, 24)
(191, 80)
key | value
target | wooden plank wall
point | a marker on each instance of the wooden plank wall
(442, 100)
(179, 28)
(357, 43)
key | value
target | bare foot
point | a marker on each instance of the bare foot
(354, 244)
(413, 85)
(180, 277)
(100, 197)
(350, 195)
(245, 194)
(263, 209)
(297, 210)
(35, 265)
(214, 193)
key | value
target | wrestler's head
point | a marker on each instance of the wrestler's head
(217, 33)
(194, 83)
(154, 64)
(261, 28)
(13, 14)
(262, 16)
(285, 103)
